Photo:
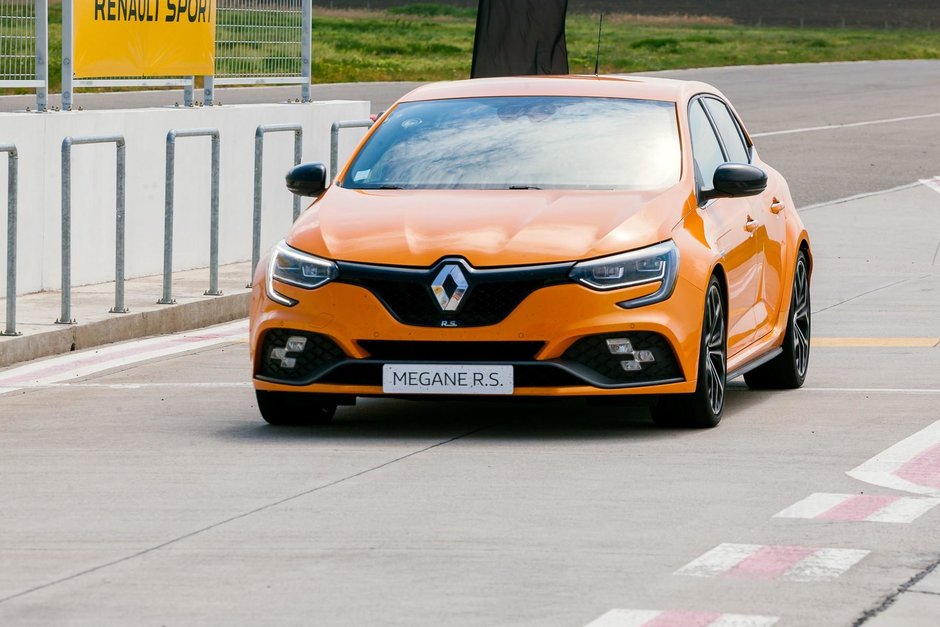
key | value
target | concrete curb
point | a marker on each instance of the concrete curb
(171, 319)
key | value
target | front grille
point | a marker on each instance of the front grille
(320, 352)
(592, 352)
(492, 294)
(391, 350)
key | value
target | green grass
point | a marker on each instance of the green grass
(422, 42)
(419, 44)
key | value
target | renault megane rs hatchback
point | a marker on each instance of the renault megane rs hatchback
(538, 237)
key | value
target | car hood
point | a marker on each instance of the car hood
(487, 228)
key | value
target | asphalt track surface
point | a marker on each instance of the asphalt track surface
(139, 490)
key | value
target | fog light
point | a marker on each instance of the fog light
(296, 344)
(288, 363)
(644, 357)
(631, 365)
(619, 346)
(278, 353)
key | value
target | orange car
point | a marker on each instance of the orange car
(538, 237)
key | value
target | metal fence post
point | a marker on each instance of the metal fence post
(68, 50)
(334, 141)
(169, 186)
(188, 99)
(12, 183)
(208, 90)
(260, 132)
(42, 54)
(120, 186)
(306, 49)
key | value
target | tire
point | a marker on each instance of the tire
(787, 370)
(702, 409)
(294, 409)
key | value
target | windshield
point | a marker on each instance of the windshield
(522, 143)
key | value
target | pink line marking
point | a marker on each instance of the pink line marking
(683, 619)
(923, 470)
(769, 562)
(858, 507)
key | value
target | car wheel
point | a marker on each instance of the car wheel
(294, 409)
(702, 409)
(788, 369)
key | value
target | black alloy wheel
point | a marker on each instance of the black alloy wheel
(294, 409)
(703, 408)
(788, 369)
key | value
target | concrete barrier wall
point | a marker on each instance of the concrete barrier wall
(38, 138)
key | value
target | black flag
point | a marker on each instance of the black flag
(520, 37)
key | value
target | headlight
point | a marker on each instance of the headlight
(293, 267)
(637, 267)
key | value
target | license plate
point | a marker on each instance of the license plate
(446, 379)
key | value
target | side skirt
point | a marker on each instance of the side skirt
(755, 363)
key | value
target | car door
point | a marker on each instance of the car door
(768, 222)
(728, 223)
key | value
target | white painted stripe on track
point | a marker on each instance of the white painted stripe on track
(719, 560)
(85, 363)
(933, 183)
(744, 620)
(638, 618)
(812, 506)
(882, 468)
(832, 127)
(904, 510)
(824, 565)
(839, 201)
(625, 618)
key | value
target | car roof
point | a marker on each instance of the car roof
(606, 86)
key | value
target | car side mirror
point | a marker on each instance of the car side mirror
(307, 179)
(736, 180)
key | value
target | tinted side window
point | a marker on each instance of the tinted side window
(706, 150)
(730, 133)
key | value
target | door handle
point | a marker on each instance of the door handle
(751, 225)
(777, 206)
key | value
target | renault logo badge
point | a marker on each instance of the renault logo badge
(449, 287)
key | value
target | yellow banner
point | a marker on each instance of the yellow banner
(144, 38)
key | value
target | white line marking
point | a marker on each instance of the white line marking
(812, 506)
(85, 363)
(831, 127)
(904, 510)
(839, 201)
(719, 560)
(825, 565)
(639, 618)
(882, 468)
(875, 390)
(933, 183)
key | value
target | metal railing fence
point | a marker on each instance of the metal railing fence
(262, 42)
(334, 141)
(24, 36)
(213, 290)
(260, 132)
(12, 183)
(67, 143)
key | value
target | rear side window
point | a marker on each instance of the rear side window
(730, 132)
(706, 150)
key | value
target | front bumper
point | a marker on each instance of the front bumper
(554, 339)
